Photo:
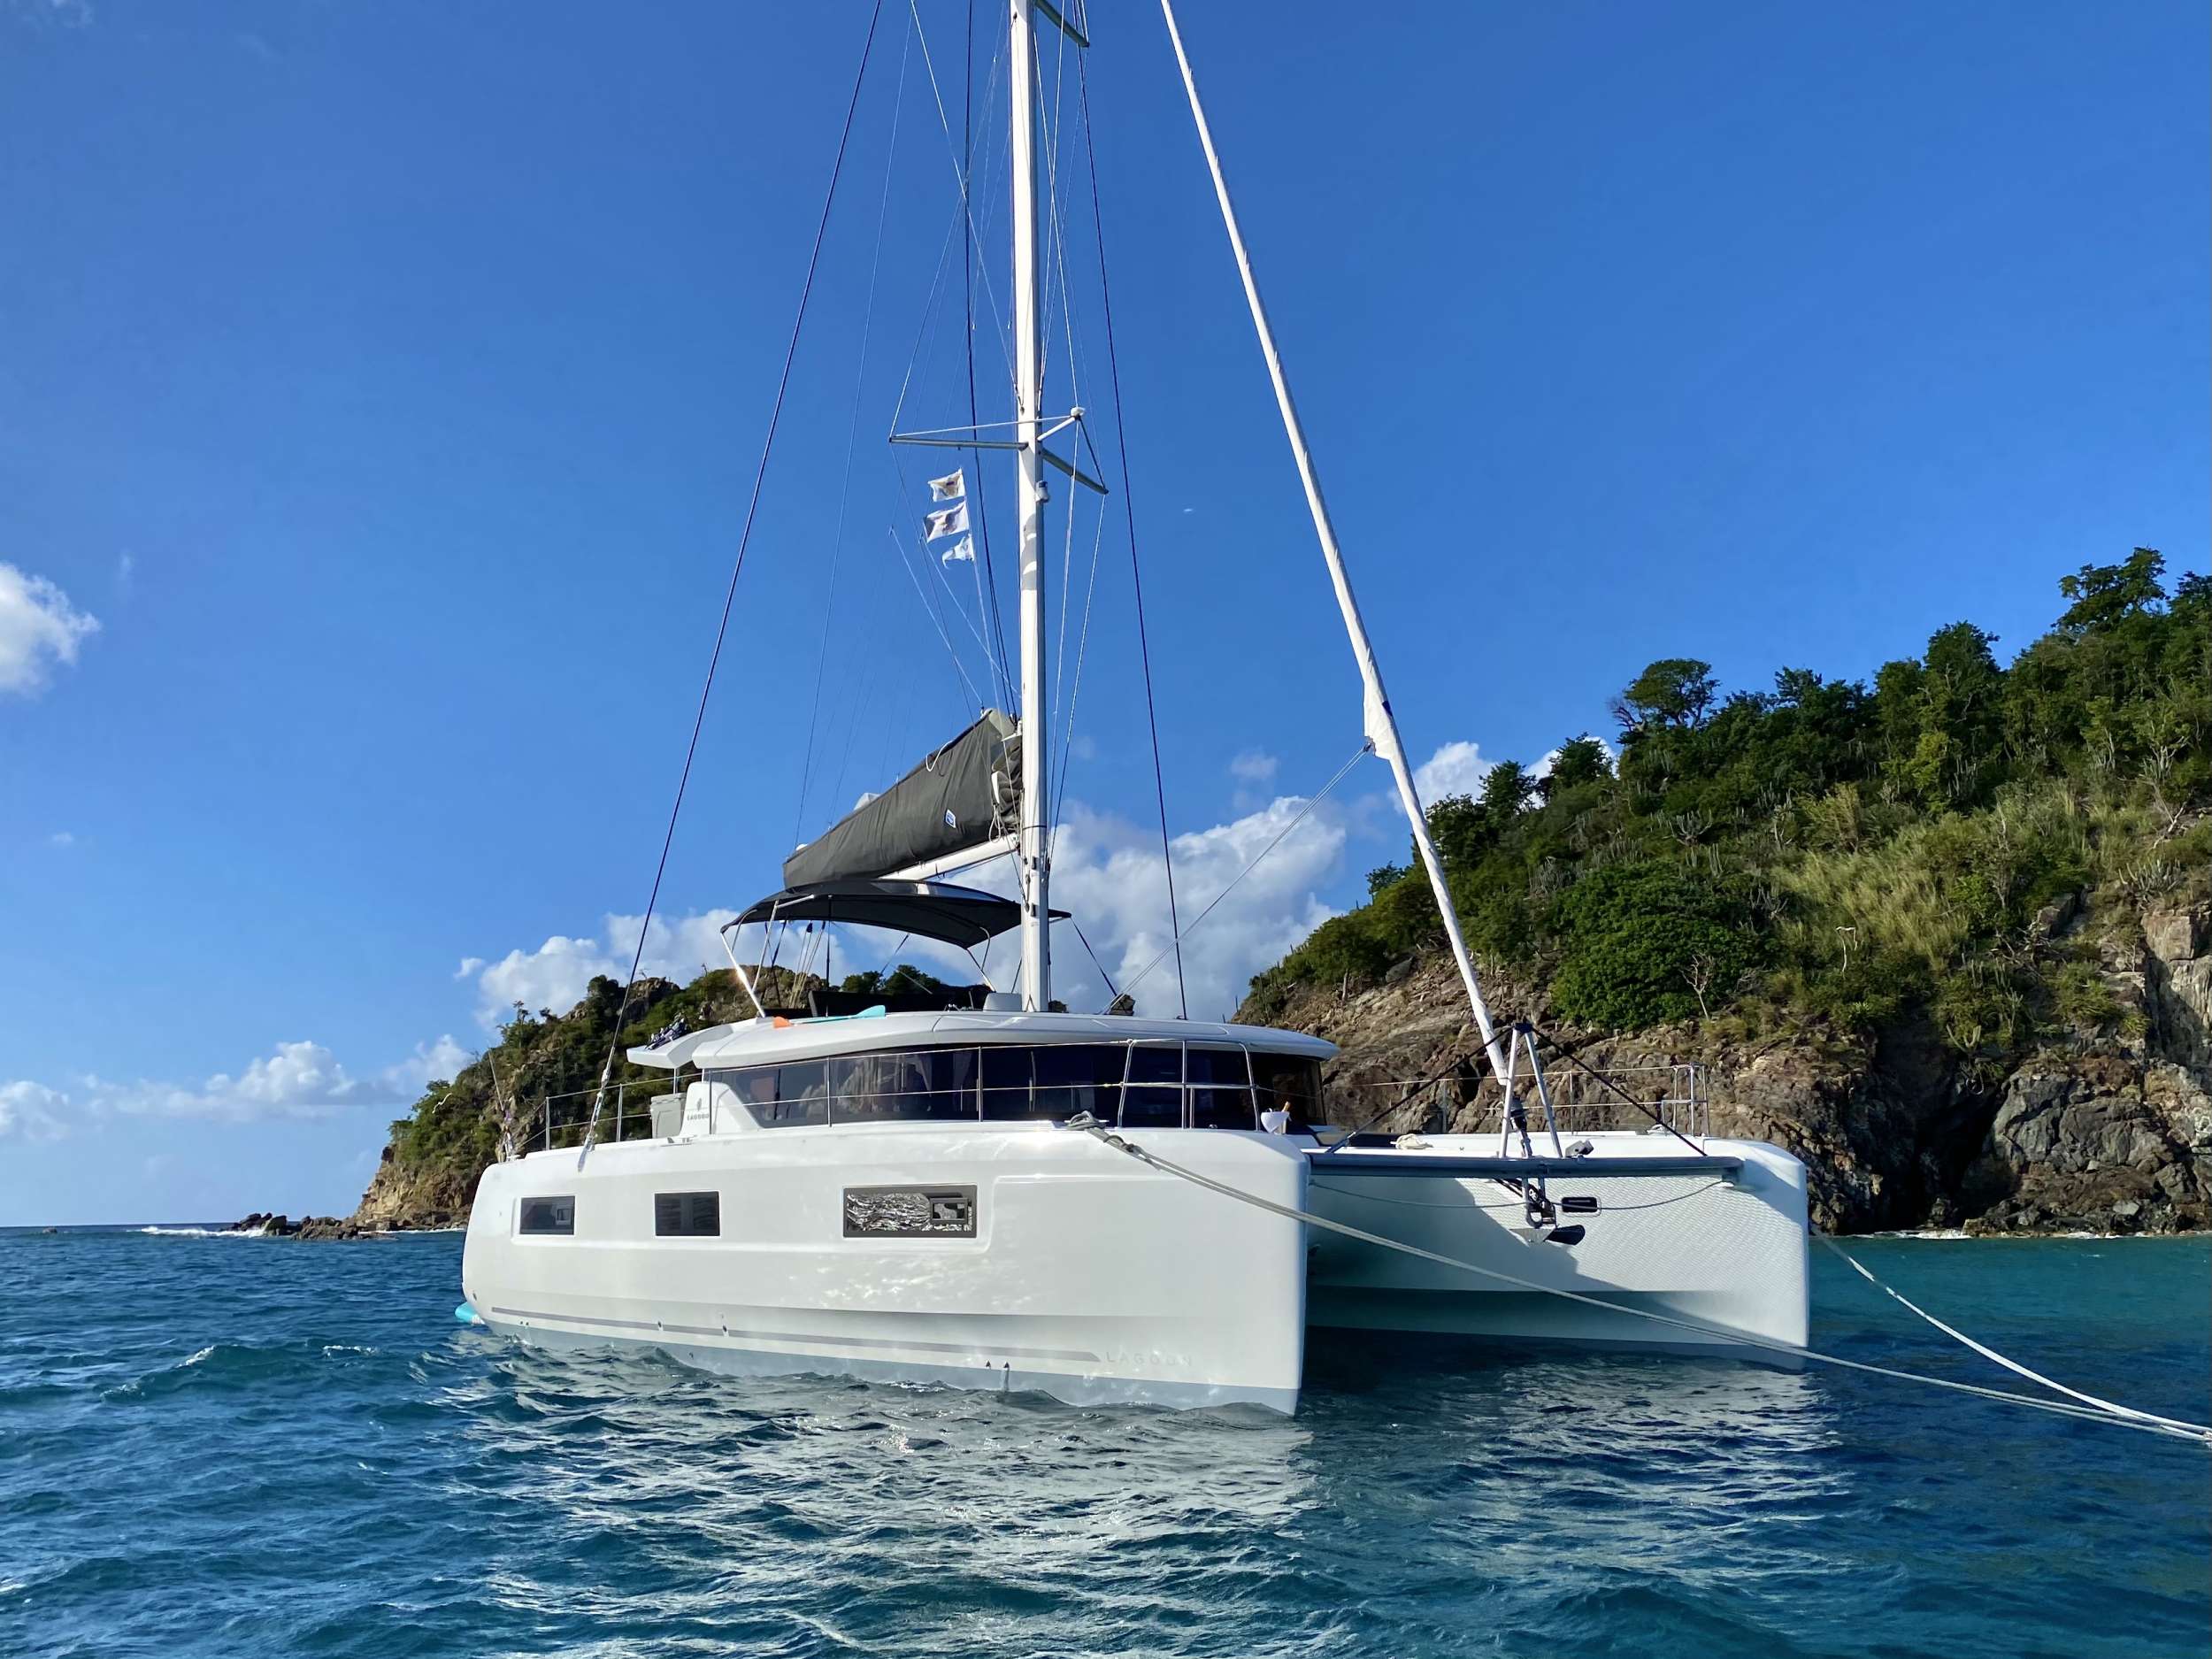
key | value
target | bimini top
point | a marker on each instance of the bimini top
(930, 909)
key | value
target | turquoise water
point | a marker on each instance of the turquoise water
(239, 1448)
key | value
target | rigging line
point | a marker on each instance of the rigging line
(1075, 686)
(1056, 222)
(974, 700)
(1129, 512)
(871, 663)
(2011, 1365)
(1095, 963)
(960, 174)
(1305, 811)
(926, 331)
(1087, 1125)
(1572, 1059)
(1517, 1204)
(1404, 1100)
(852, 440)
(987, 565)
(1001, 682)
(744, 541)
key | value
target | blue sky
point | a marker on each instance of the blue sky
(385, 381)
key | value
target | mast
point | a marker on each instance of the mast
(1029, 494)
(1381, 724)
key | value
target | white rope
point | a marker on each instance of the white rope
(1712, 1333)
(2012, 1366)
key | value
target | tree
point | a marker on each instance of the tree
(1580, 760)
(2105, 594)
(1795, 685)
(1462, 830)
(1635, 934)
(1506, 788)
(1675, 691)
(1384, 876)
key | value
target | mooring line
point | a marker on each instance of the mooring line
(1992, 1354)
(2142, 1422)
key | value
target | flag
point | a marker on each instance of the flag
(952, 487)
(952, 520)
(964, 548)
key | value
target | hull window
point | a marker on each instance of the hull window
(554, 1218)
(910, 1212)
(687, 1215)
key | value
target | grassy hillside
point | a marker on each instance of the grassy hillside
(1828, 847)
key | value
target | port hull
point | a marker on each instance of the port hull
(1085, 1275)
(1719, 1240)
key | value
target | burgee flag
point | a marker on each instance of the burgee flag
(964, 548)
(950, 521)
(952, 487)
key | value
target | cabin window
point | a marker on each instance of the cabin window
(1218, 1066)
(687, 1215)
(1153, 1097)
(1221, 1089)
(778, 1097)
(549, 1216)
(1290, 1083)
(1055, 1082)
(1009, 1083)
(932, 1085)
(1156, 1063)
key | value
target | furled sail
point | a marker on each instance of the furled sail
(964, 794)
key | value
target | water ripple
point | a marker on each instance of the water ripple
(289, 1450)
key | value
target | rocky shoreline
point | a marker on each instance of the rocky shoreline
(2104, 1130)
(269, 1225)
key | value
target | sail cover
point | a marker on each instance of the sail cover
(945, 805)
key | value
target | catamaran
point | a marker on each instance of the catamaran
(981, 1188)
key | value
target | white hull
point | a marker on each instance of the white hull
(1089, 1277)
(1097, 1280)
(1725, 1250)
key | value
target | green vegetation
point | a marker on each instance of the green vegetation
(1830, 850)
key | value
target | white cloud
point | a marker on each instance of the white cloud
(125, 568)
(558, 973)
(297, 1079)
(32, 1110)
(1107, 872)
(1253, 766)
(61, 837)
(38, 628)
(431, 1061)
(1457, 768)
(679, 947)
(552, 975)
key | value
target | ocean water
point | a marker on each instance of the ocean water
(247, 1447)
